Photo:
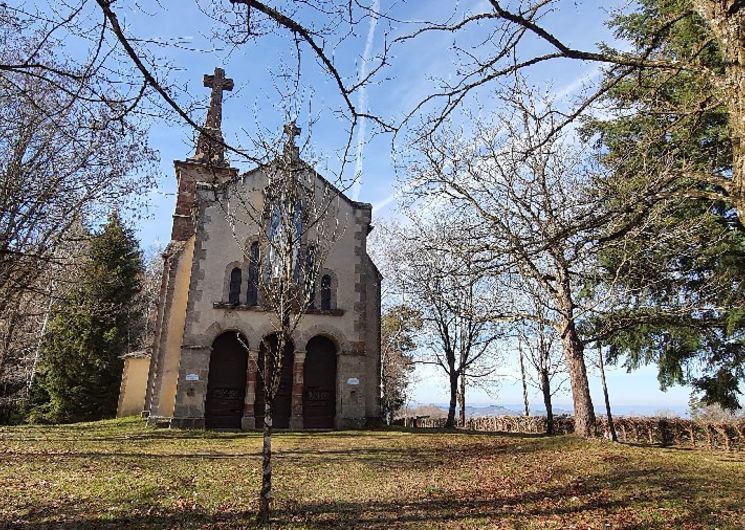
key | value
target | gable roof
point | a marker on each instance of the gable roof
(307, 167)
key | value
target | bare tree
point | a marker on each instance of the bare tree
(538, 341)
(532, 196)
(22, 329)
(64, 156)
(295, 216)
(400, 326)
(541, 215)
(512, 37)
(455, 301)
(516, 37)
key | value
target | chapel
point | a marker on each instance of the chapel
(203, 370)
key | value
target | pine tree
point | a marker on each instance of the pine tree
(688, 313)
(92, 326)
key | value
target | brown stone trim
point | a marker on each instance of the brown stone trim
(262, 309)
(298, 383)
(217, 328)
(197, 273)
(192, 360)
(248, 422)
(323, 330)
(362, 218)
(377, 346)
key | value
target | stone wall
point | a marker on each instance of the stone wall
(638, 430)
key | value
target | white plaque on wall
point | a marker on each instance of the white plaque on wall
(192, 377)
(353, 381)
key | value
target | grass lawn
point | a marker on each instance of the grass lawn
(120, 474)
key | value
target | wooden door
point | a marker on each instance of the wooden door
(319, 392)
(226, 384)
(283, 398)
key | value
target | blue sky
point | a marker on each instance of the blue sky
(254, 107)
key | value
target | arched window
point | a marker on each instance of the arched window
(284, 234)
(252, 290)
(326, 292)
(234, 294)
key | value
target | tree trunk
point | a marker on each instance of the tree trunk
(265, 497)
(546, 390)
(525, 382)
(726, 19)
(601, 365)
(450, 423)
(574, 353)
(584, 414)
(462, 399)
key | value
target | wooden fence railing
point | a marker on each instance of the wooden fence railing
(641, 430)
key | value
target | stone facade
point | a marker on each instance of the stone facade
(195, 310)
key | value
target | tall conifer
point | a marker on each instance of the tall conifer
(667, 131)
(92, 326)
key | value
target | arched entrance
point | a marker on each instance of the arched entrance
(319, 393)
(226, 383)
(283, 397)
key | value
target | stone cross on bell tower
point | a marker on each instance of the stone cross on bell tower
(210, 146)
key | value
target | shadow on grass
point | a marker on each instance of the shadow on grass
(586, 500)
(403, 458)
(99, 431)
(656, 497)
(685, 448)
(152, 518)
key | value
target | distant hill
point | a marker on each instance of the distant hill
(509, 410)
(515, 409)
(489, 410)
(477, 411)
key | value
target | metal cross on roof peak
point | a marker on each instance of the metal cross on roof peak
(292, 131)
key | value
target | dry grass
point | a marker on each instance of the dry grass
(119, 474)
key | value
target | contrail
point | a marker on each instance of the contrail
(362, 100)
(577, 84)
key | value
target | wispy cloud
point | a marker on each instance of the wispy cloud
(362, 99)
(564, 93)
(571, 88)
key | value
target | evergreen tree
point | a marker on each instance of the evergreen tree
(91, 327)
(687, 314)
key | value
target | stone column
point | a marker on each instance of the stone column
(298, 369)
(248, 422)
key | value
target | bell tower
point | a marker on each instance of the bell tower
(208, 164)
